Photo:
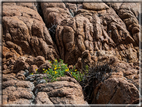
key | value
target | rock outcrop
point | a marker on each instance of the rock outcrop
(104, 36)
(25, 32)
(64, 91)
(114, 81)
(96, 30)
(116, 91)
(17, 92)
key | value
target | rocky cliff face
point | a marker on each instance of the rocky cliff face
(93, 34)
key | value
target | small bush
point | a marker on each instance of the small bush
(99, 73)
(59, 69)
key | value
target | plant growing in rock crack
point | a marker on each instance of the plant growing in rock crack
(95, 75)
(59, 69)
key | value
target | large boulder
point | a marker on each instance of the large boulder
(115, 91)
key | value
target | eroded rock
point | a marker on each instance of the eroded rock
(64, 91)
(17, 92)
(84, 34)
(115, 91)
(25, 31)
(42, 98)
(54, 13)
(95, 6)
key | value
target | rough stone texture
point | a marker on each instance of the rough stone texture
(26, 64)
(54, 13)
(84, 34)
(30, 60)
(33, 69)
(95, 6)
(129, 13)
(20, 64)
(9, 56)
(44, 66)
(7, 77)
(17, 92)
(72, 7)
(25, 32)
(20, 101)
(39, 78)
(94, 31)
(39, 60)
(64, 91)
(116, 91)
(42, 98)
(17, 83)
(116, 85)
(21, 75)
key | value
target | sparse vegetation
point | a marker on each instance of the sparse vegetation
(93, 77)
(59, 69)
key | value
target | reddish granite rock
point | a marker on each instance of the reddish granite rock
(20, 64)
(114, 81)
(95, 34)
(25, 31)
(33, 69)
(15, 90)
(44, 66)
(30, 60)
(42, 98)
(21, 75)
(13, 94)
(39, 60)
(20, 101)
(64, 91)
(17, 83)
(54, 13)
(7, 77)
(115, 91)
(110, 33)
(95, 6)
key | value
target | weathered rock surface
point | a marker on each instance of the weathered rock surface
(25, 32)
(64, 91)
(42, 98)
(54, 13)
(93, 34)
(116, 91)
(94, 31)
(129, 13)
(95, 6)
(113, 81)
(33, 69)
(17, 92)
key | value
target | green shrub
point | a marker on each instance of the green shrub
(58, 69)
